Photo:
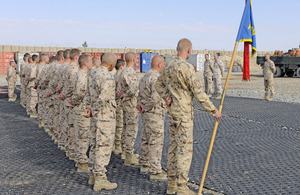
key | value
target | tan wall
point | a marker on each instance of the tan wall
(226, 54)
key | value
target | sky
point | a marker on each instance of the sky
(156, 24)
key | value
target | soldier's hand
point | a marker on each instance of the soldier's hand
(61, 96)
(57, 89)
(140, 108)
(218, 116)
(39, 87)
(120, 95)
(168, 101)
(71, 101)
(88, 113)
(49, 93)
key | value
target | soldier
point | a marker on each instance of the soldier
(62, 136)
(31, 85)
(218, 73)
(44, 61)
(208, 73)
(152, 108)
(81, 123)
(22, 80)
(53, 84)
(119, 110)
(269, 70)
(11, 79)
(26, 81)
(96, 62)
(66, 94)
(178, 85)
(129, 86)
(102, 107)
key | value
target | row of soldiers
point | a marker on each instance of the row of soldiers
(84, 107)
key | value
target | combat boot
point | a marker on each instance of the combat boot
(172, 187)
(271, 98)
(33, 114)
(117, 149)
(218, 96)
(14, 98)
(266, 96)
(131, 159)
(101, 183)
(160, 176)
(82, 168)
(123, 155)
(183, 189)
(41, 125)
(144, 169)
(91, 180)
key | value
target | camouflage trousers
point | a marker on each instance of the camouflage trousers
(40, 104)
(217, 85)
(269, 86)
(119, 125)
(152, 139)
(22, 94)
(33, 99)
(61, 131)
(208, 83)
(101, 142)
(180, 150)
(56, 122)
(11, 89)
(48, 113)
(130, 118)
(69, 129)
(82, 132)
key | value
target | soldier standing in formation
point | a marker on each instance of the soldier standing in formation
(178, 85)
(22, 80)
(11, 79)
(218, 73)
(152, 108)
(208, 73)
(269, 70)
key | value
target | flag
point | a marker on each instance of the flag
(247, 30)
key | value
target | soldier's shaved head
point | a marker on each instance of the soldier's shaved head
(30, 60)
(52, 59)
(109, 61)
(44, 57)
(184, 45)
(35, 58)
(59, 55)
(67, 53)
(120, 63)
(130, 58)
(157, 63)
(26, 55)
(84, 58)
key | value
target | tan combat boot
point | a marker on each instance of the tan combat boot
(172, 187)
(183, 189)
(159, 176)
(82, 168)
(33, 114)
(131, 159)
(101, 183)
(41, 125)
(271, 98)
(218, 96)
(117, 149)
(266, 96)
(144, 169)
(91, 180)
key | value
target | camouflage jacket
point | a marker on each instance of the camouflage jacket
(148, 95)
(208, 69)
(32, 74)
(46, 77)
(62, 71)
(11, 74)
(179, 81)
(53, 83)
(80, 90)
(218, 70)
(129, 83)
(39, 74)
(69, 82)
(269, 69)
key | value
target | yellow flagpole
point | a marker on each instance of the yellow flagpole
(216, 123)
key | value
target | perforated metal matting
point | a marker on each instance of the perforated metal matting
(251, 155)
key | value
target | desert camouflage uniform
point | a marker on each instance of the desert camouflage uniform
(179, 81)
(48, 102)
(129, 84)
(22, 81)
(11, 79)
(81, 123)
(41, 94)
(119, 114)
(69, 83)
(27, 89)
(63, 124)
(153, 122)
(53, 83)
(101, 98)
(218, 72)
(33, 100)
(208, 73)
(269, 70)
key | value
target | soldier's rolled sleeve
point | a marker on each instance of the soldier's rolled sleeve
(195, 86)
(79, 92)
(132, 85)
(160, 85)
(154, 99)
